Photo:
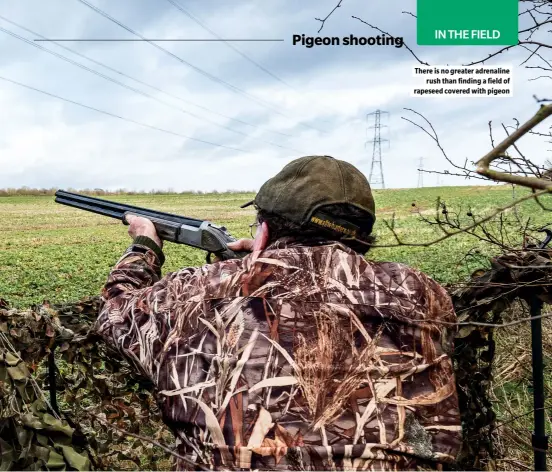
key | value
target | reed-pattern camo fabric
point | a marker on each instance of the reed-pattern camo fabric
(293, 358)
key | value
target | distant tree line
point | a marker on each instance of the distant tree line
(25, 191)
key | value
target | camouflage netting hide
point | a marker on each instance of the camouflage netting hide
(486, 298)
(94, 386)
(97, 395)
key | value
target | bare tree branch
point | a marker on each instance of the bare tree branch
(483, 165)
(540, 14)
(433, 135)
(450, 234)
(328, 15)
(489, 325)
(409, 13)
(490, 56)
(541, 77)
(385, 32)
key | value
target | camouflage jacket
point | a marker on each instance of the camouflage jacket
(293, 358)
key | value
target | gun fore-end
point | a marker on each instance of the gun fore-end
(166, 230)
(207, 237)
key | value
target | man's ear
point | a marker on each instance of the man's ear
(261, 237)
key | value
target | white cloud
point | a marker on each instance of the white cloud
(45, 142)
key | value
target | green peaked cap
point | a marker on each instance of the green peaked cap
(306, 185)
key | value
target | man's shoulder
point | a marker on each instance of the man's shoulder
(397, 269)
(406, 276)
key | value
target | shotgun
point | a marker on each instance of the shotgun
(173, 228)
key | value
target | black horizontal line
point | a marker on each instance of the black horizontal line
(156, 40)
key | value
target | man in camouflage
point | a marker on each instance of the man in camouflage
(301, 356)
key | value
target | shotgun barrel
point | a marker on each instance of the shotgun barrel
(177, 229)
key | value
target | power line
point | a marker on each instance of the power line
(153, 87)
(231, 46)
(421, 172)
(229, 86)
(145, 125)
(140, 92)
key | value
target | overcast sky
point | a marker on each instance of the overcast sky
(277, 103)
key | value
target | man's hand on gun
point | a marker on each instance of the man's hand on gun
(140, 226)
(241, 245)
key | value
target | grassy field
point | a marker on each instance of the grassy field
(52, 252)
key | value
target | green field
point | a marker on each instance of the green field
(55, 253)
